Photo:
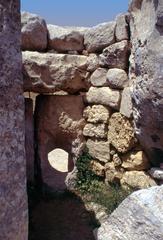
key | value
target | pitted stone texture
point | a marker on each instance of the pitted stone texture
(48, 72)
(59, 124)
(97, 168)
(147, 73)
(122, 27)
(126, 106)
(98, 130)
(99, 37)
(98, 78)
(99, 150)
(140, 216)
(34, 32)
(137, 180)
(135, 160)
(92, 62)
(13, 196)
(105, 96)
(117, 78)
(115, 56)
(63, 39)
(156, 173)
(121, 133)
(97, 114)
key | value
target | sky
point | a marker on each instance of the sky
(75, 12)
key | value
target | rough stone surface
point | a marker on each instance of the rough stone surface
(135, 161)
(59, 124)
(29, 138)
(64, 39)
(97, 168)
(113, 174)
(34, 32)
(99, 37)
(137, 180)
(146, 72)
(121, 133)
(99, 150)
(156, 173)
(98, 130)
(115, 56)
(13, 197)
(92, 62)
(122, 27)
(98, 78)
(104, 95)
(48, 72)
(97, 114)
(140, 216)
(117, 78)
(126, 106)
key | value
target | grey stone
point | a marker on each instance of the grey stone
(117, 78)
(156, 173)
(140, 216)
(115, 56)
(64, 39)
(122, 27)
(98, 78)
(146, 73)
(126, 107)
(13, 196)
(99, 37)
(34, 32)
(104, 95)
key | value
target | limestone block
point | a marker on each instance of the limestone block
(135, 160)
(98, 78)
(64, 39)
(126, 106)
(105, 96)
(117, 78)
(122, 28)
(34, 32)
(97, 114)
(99, 37)
(97, 168)
(121, 133)
(95, 130)
(113, 174)
(137, 180)
(99, 150)
(115, 56)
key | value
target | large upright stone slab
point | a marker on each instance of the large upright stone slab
(13, 199)
(146, 72)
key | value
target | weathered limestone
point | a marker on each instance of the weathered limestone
(122, 27)
(34, 32)
(117, 78)
(113, 174)
(59, 124)
(115, 56)
(97, 168)
(48, 72)
(98, 78)
(137, 180)
(140, 216)
(13, 196)
(135, 161)
(126, 106)
(146, 72)
(29, 139)
(95, 130)
(99, 150)
(97, 114)
(64, 39)
(121, 133)
(104, 95)
(99, 37)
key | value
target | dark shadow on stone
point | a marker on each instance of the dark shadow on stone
(61, 217)
(156, 156)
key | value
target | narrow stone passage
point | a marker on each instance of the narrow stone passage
(62, 217)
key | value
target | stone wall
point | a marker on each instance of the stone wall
(93, 64)
(13, 198)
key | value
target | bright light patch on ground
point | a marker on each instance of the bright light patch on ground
(58, 159)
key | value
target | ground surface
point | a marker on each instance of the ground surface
(61, 218)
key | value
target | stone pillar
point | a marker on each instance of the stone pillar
(13, 197)
(29, 138)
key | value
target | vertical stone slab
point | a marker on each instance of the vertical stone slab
(29, 138)
(13, 199)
